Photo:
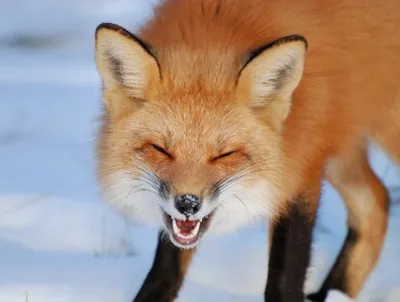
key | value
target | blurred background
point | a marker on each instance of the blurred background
(58, 241)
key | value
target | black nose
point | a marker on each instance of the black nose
(187, 204)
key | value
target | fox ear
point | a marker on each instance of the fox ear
(125, 64)
(270, 76)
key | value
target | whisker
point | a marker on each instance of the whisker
(244, 205)
(137, 189)
(157, 201)
(145, 190)
(227, 183)
(151, 189)
(151, 183)
(129, 193)
(148, 172)
(155, 180)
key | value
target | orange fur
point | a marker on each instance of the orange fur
(349, 91)
(349, 83)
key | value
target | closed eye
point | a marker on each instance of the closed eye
(161, 150)
(227, 154)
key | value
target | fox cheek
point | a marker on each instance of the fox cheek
(164, 190)
(214, 192)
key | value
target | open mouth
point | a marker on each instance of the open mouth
(186, 233)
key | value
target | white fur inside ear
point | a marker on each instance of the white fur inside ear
(277, 72)
(122, 60)
(273, 73)
(268, 80)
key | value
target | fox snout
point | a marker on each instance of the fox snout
(187, 204)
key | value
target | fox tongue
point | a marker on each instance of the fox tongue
(186, 226)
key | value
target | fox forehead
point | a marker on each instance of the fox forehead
(212, 70)
(191, 121)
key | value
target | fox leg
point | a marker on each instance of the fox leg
(166, 276)
(367, 203)
(290, 249)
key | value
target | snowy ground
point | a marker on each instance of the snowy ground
(58, 242)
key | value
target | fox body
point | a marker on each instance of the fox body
(221, 113)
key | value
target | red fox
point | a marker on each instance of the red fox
(219, 113)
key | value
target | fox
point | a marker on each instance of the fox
(222, 113)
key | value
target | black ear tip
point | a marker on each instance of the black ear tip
(294, 38)
(303, 39)
(106, 25)
(112, 27)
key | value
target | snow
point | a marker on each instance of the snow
(58, 241)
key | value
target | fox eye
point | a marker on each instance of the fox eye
(226, 154)
(161, 150)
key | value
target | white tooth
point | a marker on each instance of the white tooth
(196, 229)
(175, 227)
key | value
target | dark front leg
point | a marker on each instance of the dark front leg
(290, 249)
(167, 273)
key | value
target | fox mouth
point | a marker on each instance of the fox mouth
(186, 233)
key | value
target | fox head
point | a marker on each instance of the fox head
(191, 141)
